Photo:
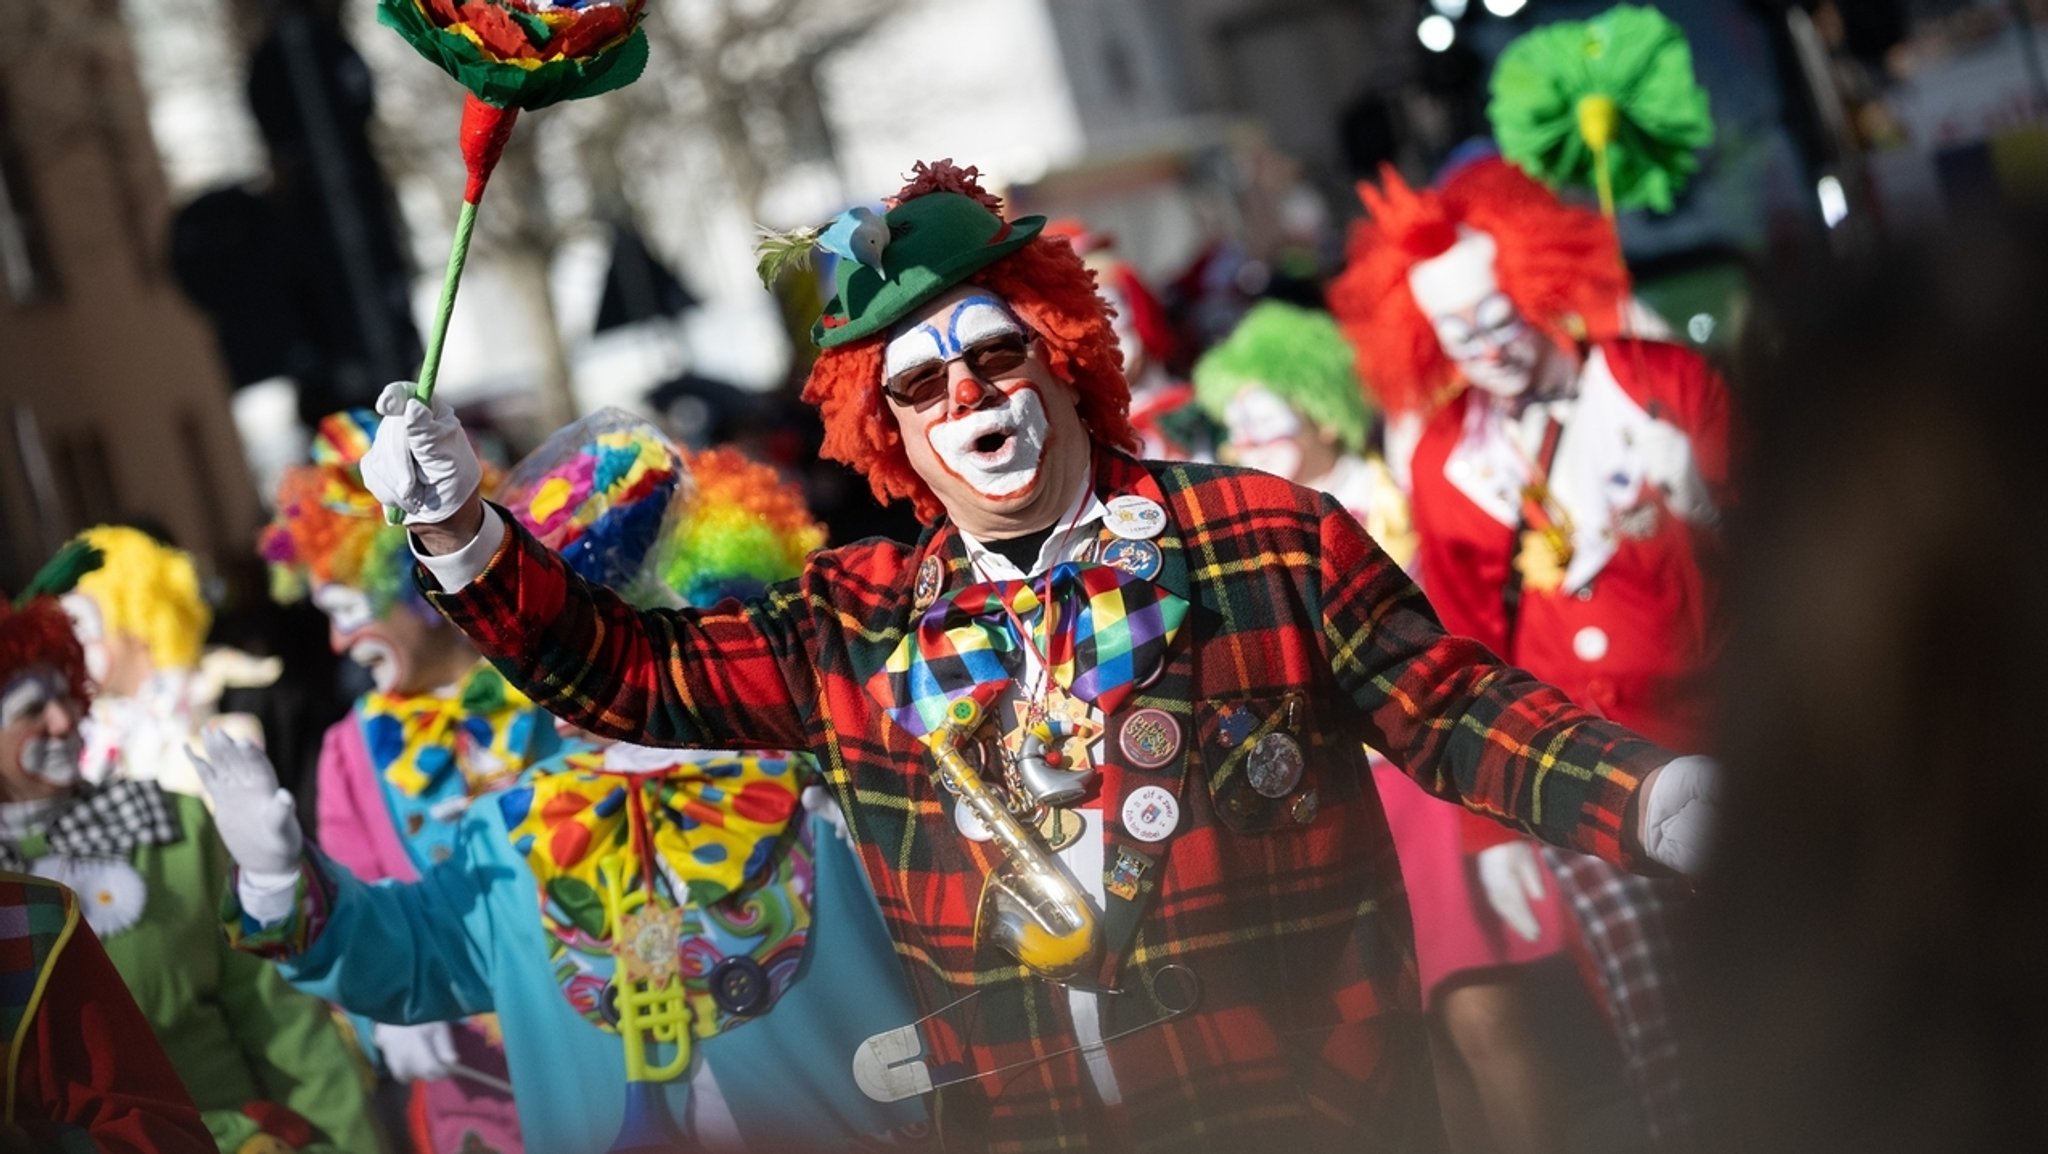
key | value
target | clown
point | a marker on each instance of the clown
(142, 621)
(1566, 484)
(265, 1064)
(1147, 688)
(437, 729)
(1285, 388)
(640, 921)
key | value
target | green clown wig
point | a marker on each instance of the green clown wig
(1300, 356)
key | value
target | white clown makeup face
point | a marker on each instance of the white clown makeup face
(984, 421)
(377, 644)
(91, 630)
(40, 744)
(1265, 433)
(1478, 327)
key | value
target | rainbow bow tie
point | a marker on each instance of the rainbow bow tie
(1100, 631)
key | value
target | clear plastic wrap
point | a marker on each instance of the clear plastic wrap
(608, 493)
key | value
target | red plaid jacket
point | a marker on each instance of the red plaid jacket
(1288, 911)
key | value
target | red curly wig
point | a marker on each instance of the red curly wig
(1049, 288)
(39, 633)
(1561, 266)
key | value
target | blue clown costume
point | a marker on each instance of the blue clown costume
(677, 945)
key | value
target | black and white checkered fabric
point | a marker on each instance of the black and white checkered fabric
(107, 822)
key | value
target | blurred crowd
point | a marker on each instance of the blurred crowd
(1816, 558)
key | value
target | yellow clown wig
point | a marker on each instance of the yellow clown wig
(150, 591)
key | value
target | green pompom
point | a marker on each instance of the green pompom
(1555, 80)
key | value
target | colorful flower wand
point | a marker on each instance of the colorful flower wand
(511, 55)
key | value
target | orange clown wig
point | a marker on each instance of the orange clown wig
(1560, 265)
(1049, 288)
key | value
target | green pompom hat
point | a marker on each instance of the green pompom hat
(1300, 356)
(936, 241)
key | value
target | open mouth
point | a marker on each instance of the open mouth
(994, 448)
(990, 443)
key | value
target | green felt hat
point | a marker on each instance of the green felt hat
(935, 241)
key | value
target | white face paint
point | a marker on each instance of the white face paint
(355, 634)
(1265, 433)
(1476, 324)
(47, 757)
(91, 629)
(994, 451)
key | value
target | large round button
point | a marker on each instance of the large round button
(740, 986)
(1590, 643)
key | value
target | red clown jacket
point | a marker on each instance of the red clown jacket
(1288, 911)
(1642, 464)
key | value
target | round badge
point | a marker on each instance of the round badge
(969, 823)
(1150, 738)
(740, 986)
(1274, 765)
(1141, 559)
(1134, 518)
(1151, 813)
(929, 575)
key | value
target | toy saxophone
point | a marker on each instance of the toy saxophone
(1029, 905)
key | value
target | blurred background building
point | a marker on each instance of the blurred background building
(222, 218)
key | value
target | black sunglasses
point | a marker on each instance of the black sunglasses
(997, 358)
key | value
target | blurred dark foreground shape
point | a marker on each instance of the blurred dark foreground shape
(1876, 929)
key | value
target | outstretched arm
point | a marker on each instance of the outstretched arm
(1470, 729)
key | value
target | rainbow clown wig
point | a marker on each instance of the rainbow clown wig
(945, 231)
(629, 510)
(329, 530)
(746, 529)
(35, 630)
(150, 591)
(1560, 265)
(1298, 355)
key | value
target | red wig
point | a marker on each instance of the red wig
(1560, 265)
(39, 633)
(1049, 289)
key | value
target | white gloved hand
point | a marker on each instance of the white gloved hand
(421, 461)
(422, 1053)
(255, 816)
(1680, 812)
(1512, 877)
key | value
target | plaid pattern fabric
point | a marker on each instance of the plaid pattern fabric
(1103, 632)
(1626, 923)
(110, 821)
(33, 917)
(1288, 911)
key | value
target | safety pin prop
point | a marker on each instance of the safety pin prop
(888, 1067)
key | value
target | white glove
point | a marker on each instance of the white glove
(422, 1053)
(254, 815)
(1512, 877)
(421, 461)
(1680, 812)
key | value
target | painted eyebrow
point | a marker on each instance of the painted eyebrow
(960, 310)
(893, 362)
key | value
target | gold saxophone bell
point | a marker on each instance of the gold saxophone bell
(1029, 906)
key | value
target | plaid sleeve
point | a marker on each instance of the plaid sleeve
(717, 677)
(1464, 726)
(312, 900)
